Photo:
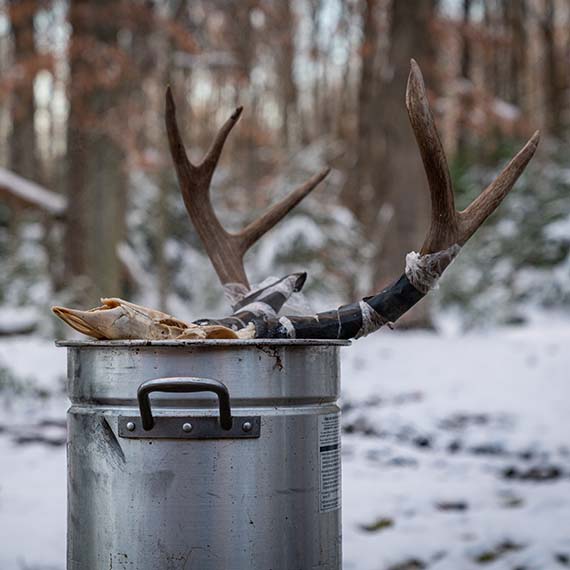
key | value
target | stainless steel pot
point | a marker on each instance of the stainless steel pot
(207, 455)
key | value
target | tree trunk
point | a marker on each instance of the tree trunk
(284, 27)
(242, 42)
(466, 44)
(554, 103)
(164, 72)
(96, 181)
(518, 63)
(399, 178)
(23, 147)
(459, 132)
(490, 65)
(359, 187)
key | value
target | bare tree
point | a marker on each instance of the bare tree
(400, 167)
(360, 185)
(282, 31)
(96, 178)
(554, 100)
(519, 60)
(23, 146)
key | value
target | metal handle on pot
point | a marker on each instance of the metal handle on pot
(186, 385)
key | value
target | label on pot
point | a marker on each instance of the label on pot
(329, 459)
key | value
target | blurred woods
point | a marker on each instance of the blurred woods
(89, 204)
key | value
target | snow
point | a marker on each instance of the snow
(17, 320)
(506, 111)
(456, 452)
(32, 507)
(559, 230)
(36, 360)
(31, 193)
(448, 417)
(132, 265)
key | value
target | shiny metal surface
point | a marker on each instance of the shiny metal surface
(202, 504)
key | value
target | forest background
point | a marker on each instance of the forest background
(322, 82)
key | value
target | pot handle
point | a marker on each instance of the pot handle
(185, 385)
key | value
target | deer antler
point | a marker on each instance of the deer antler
(449, 227)
(225, 249)
(449, 230)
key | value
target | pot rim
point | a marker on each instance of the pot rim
(201, 343)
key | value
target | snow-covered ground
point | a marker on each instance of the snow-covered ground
(456, 452)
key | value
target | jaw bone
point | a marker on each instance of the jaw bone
(117, 319)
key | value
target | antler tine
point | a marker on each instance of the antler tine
(487, 202)
(444, 227)
(250, 234)
(206, 168)
(213, 155)
(177, 150)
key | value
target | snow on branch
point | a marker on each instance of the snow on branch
(31, 194)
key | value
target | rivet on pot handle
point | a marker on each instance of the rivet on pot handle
(184, 385)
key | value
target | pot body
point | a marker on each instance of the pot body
(187, 494)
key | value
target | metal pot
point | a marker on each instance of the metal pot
(207, 455)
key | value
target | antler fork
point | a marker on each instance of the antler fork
(226, 250)
(448, 226)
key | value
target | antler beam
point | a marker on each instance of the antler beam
(225, 250)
